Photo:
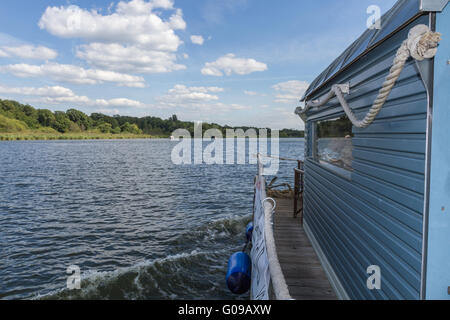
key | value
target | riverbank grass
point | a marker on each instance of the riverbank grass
(86, 135)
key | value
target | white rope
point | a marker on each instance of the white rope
(260, 262)
(266, 268)
(421, 44)
(280, 287)
(260, 165)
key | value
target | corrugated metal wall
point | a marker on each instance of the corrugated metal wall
(374, 217)
(438, 259)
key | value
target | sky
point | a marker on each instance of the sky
(231, 62)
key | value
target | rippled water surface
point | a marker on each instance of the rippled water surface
(138, 226)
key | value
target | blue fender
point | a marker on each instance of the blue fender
(249, 231)
(239, 273)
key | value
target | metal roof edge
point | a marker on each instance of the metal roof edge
(364, 53)
(433, 5)
(426, 6)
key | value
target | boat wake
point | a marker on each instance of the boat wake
(193, 274)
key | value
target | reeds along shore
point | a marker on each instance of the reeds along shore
(23, 136)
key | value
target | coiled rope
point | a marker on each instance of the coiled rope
(421, 44)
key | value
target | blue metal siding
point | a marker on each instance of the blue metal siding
(438, 260)
(376, 216)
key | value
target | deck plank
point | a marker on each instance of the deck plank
(302, 270)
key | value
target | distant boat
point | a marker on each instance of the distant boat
(172, 138)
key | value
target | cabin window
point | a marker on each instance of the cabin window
(334, 145)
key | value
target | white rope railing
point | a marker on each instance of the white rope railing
(421, 44)
(279, 285)
(266, 268)
(260, 262)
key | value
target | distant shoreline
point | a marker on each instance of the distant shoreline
(23, 122)
(85, 137)
(39, 136)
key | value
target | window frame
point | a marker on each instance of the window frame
(342, 172)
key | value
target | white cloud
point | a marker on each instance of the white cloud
(119, 102)
(28, 52)
(131, 39)
(254, 93)
(76, 100)
(86, 102)
(182, 95)
(137, 8)
(55, 91)
(176, 21)
(59, 95)
(229, 64)
(163, 4)
(56, 94)
(197, 99)
(290, 91)
(73, 74)
(236, 106)
(133, 23)
(111, 112)
(128, 59)
(197, 40)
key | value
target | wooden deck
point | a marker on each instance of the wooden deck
(304, 274)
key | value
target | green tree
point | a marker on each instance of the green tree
(30, 116)
(46, 118)
(105, 127)
(62, 122)
(80, 118)
(130, 128)
(29, 111)
(115, 130)
(99, 118)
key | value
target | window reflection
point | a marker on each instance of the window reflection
(334, 142)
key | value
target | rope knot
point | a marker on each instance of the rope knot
(422, 42)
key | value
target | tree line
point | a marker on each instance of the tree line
(74, 120)
(336, 128)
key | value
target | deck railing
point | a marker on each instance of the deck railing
(299, 188)
(299, 185)
(268, 281)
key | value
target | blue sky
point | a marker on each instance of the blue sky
(236, 62)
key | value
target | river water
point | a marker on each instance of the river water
(137, 226)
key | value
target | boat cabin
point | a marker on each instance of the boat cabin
(377, 196)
